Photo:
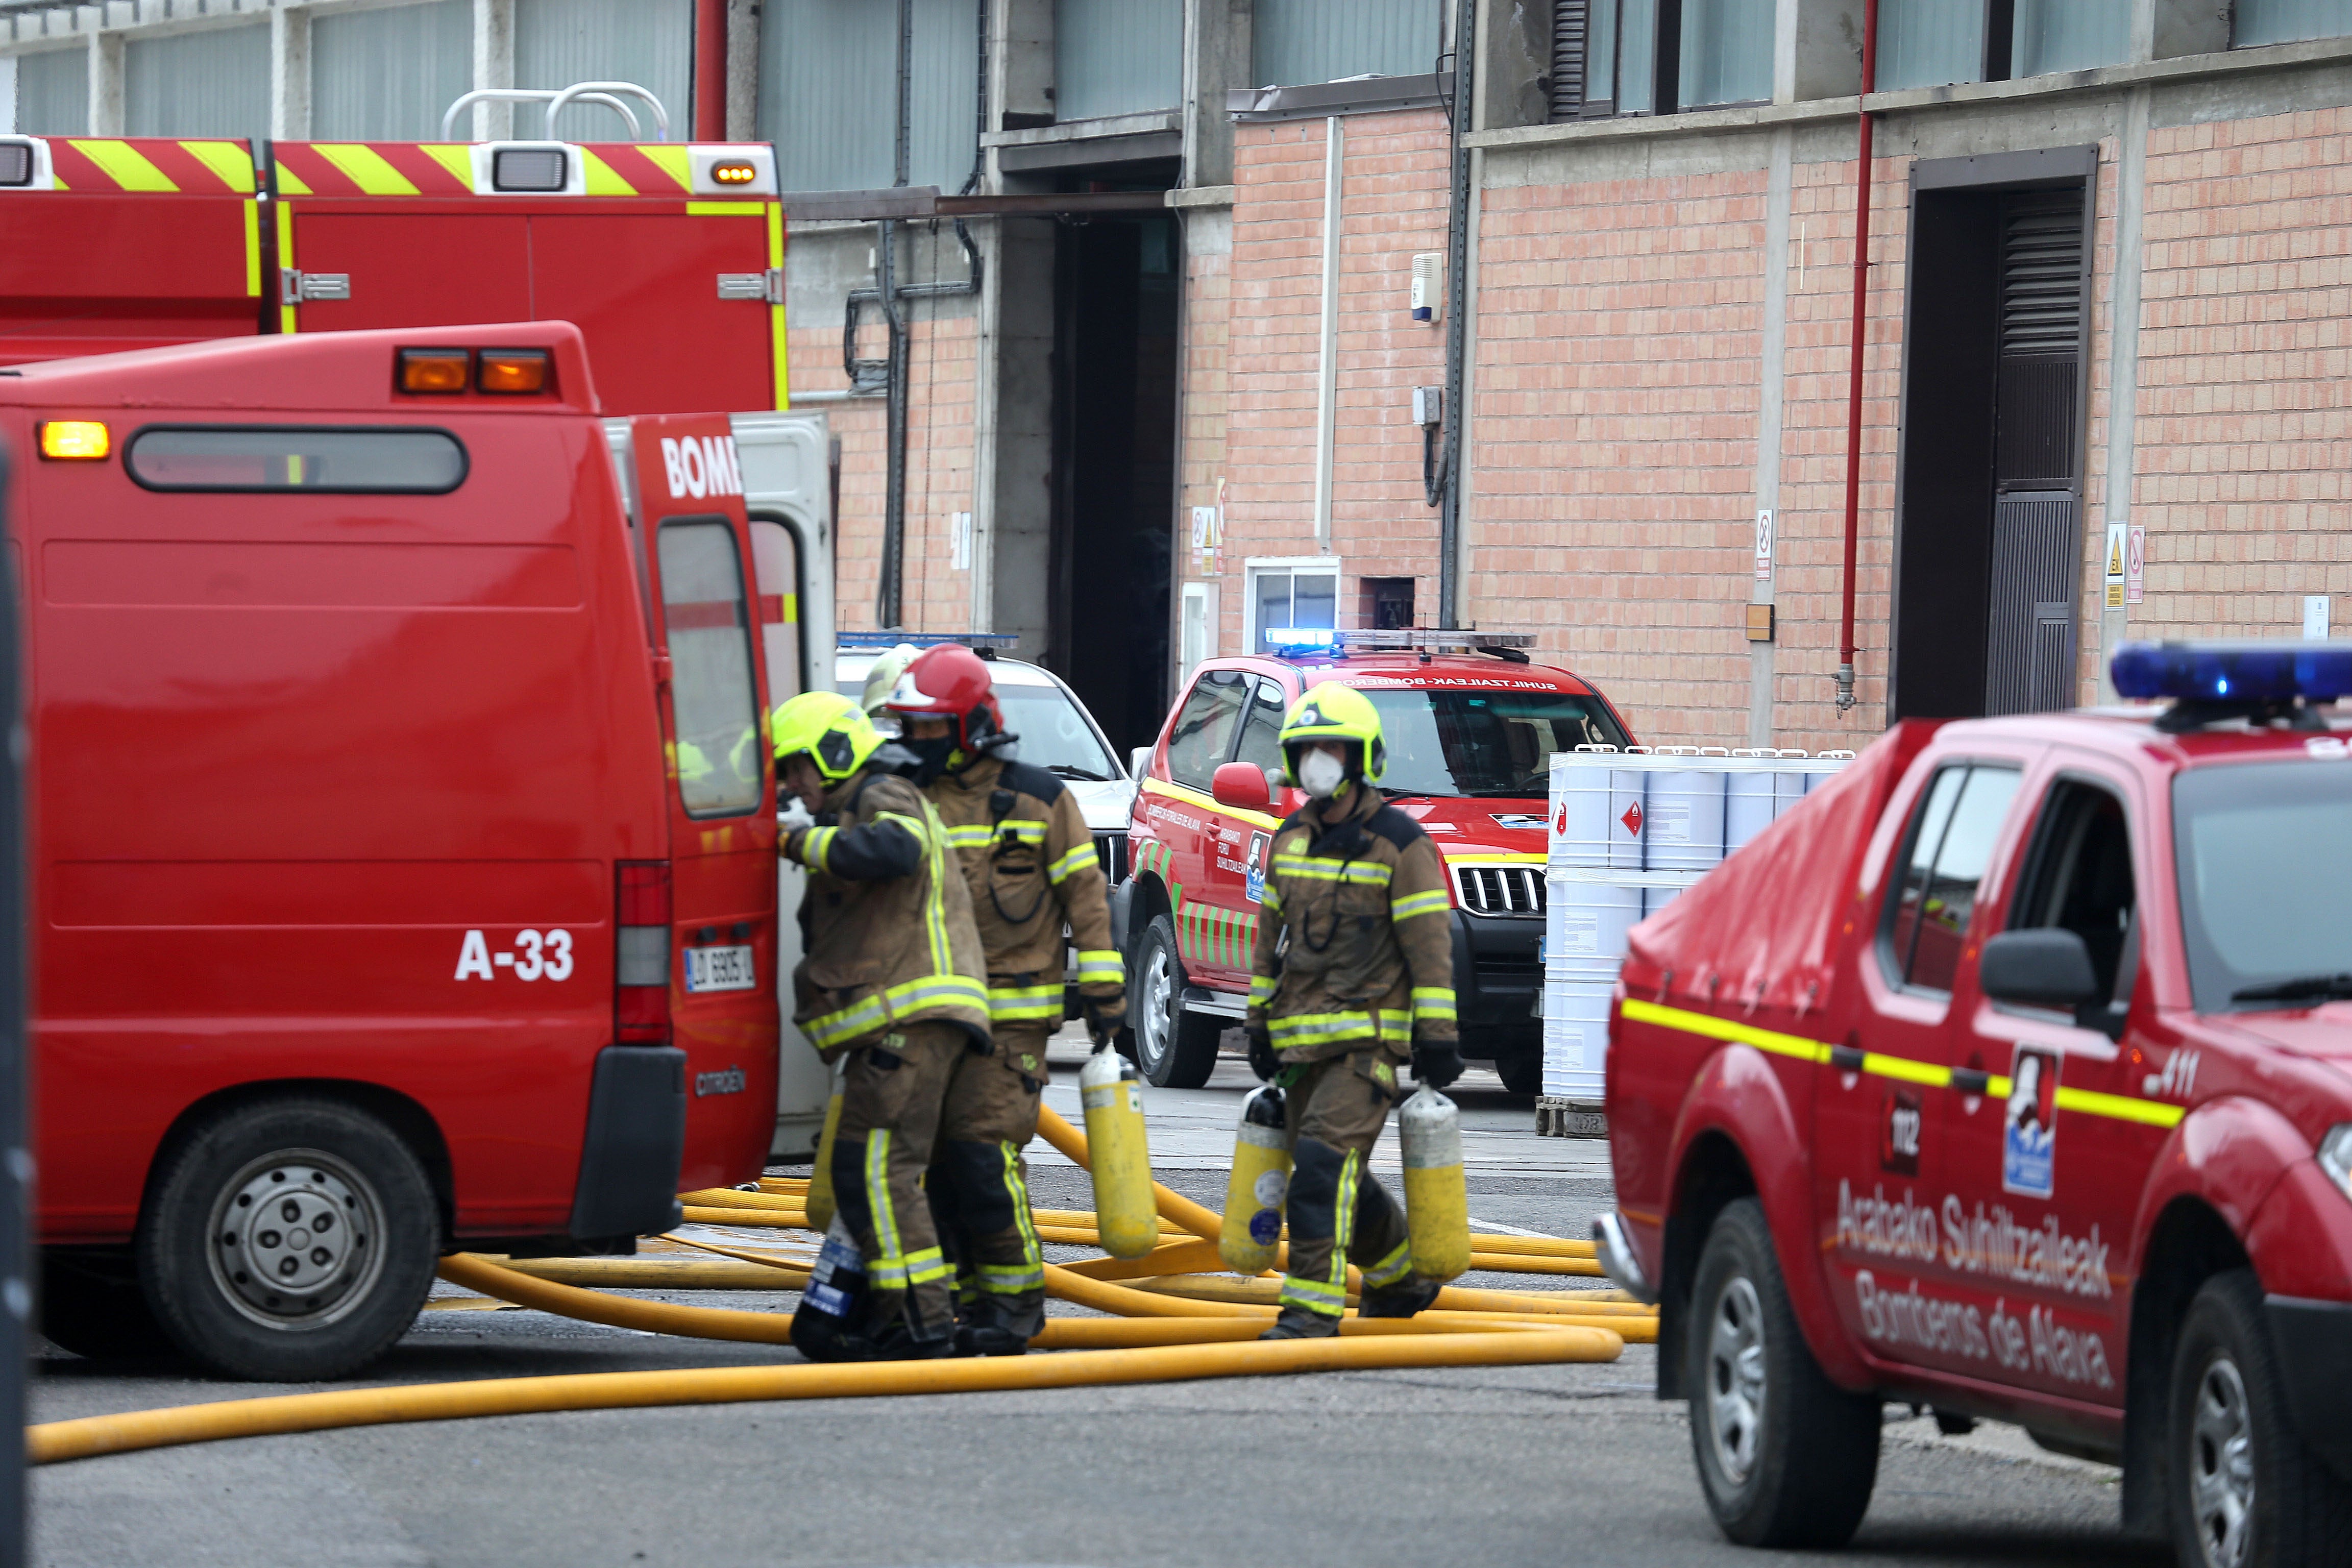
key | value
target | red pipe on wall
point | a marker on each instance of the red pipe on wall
(710, 71)
(1853, 372)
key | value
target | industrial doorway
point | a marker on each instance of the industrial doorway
(1989, 532)
(1115, 393)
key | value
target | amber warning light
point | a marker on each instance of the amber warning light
(75, 440)
(734, 173)
(434, 370)
(514, 370)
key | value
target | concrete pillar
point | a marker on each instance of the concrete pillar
(106, 84)
(493, 66)
(1772, 382)
(1509, 85)
(2122, 361)
(1012, 434)
(1817, 50)
(1217, 59)
(289, 73)
(2167, 29)
(1021, 62)
(742, 70)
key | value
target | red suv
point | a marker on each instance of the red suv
(1471, 725)
(2011, 1075)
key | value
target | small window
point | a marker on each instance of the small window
(776, 568)
(720, 767)
(327, 459)
(1944, 856)
(2079, 879)
(2254, 22)
(1262, 729)
(1204, 735)
(1285, 600)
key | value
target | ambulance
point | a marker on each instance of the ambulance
(2009, 1076)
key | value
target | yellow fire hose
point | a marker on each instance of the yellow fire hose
(1161, 1336)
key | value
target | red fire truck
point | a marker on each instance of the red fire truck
(2010, 1074)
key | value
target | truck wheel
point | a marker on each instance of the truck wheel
(1521, 1072)
(1786, 1457)
(2247, 1492)
(1173, 1048)
(91, 1305)
(289, 1242)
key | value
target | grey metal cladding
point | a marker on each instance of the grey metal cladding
(53, 93)
(1116, 57)
(215, 82)
(386, 75)
(648, 42)
(828, 91)
(1296, 41)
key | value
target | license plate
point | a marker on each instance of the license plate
(720, 969)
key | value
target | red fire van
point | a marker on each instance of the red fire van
(402, 832)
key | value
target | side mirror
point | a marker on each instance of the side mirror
(2042, 968)
(1241, 786)
(1139, 763)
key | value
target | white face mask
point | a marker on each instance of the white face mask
(1321, 774)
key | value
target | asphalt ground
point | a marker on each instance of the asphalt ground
(1498, 1466)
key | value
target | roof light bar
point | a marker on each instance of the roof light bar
(2238, 679)
(853, 642)
(1396, 639)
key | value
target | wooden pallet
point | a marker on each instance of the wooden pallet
(1569, 1118)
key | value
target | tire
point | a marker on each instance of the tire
(1173, 1048)
(249, 1187)
(1785, 1457)
(1521, 1072)
(92, 1306)
(2245, 1490)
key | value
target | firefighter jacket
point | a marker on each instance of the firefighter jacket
(1030, 860)
(886, 925)
(1355, 936)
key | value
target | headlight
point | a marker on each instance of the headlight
(2335, 1157)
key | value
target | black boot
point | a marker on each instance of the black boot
(987, 1330)
(1301, 1323)
(1401, 1300)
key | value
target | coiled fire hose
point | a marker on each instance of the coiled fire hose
(1184, 1327)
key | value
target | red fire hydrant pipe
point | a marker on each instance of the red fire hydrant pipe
(710, 71)
(1853, 372)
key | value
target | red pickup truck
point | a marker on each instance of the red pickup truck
(2011, 1075)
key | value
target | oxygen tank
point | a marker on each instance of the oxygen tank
(1261, 1177)
(1436, 1199)
(833, 1307)
(1125, 1216)
(820, 1188)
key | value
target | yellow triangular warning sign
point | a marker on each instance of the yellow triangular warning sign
(2114, 557)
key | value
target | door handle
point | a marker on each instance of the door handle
(1846, 1058)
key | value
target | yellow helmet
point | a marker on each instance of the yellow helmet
(829, 728)
(882, 675)
(1335, 712)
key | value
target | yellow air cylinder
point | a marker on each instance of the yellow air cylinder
(1260, 1180)
(820, 1188)
(1125, 1215)
(1436, 1198)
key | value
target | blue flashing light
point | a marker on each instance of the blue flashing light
(1288, 640)
(2243, 670)
(853, 641)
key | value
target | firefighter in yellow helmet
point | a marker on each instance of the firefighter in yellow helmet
(1353, 977)
(1030, 860)
(892, 979)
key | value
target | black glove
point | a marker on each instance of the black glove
(1262, 1059)
(1099, 1027)
(1437, 1064)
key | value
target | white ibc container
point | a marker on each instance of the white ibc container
(1656, 899)
(1748, 803)
(1682, 820)
(1789, 785)
(1596, 814)
(1585, 925)
(1576, 1039)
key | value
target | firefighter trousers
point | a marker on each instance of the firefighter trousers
(1336, 1209)
(979, 1182)
(891, 1096)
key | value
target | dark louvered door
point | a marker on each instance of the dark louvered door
(1570, 28)
(2037, 513)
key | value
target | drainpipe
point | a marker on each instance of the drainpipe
(1448, 485)
(1853, 370)
(710, 70)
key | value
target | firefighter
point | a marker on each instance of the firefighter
(892, 981)
(1353, 977)
(1030, 860)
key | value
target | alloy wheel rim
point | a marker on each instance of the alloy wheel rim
(2222, 1466)
(295, 1240)
(1158, 1023)
(1735, 1378)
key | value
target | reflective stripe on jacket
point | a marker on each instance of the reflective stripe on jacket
(1354, 936)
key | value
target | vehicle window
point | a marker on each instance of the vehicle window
(719, 768)
(1054, 734)
(1204, 734)
(1944, 856)
(2079, 879)
(318, 460)
(2265, 854)
(776, 568)
(1261, 742)
(1482, 741)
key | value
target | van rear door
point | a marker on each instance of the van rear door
(698, 554)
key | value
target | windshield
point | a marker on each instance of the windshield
(2265, 853)
(1054, 733)
(1484, 740)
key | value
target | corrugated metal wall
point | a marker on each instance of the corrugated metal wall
(1298, 41)
(1929, 43)
(1119, 56)
(2069, 35)
(387, 76)
(2285, 21)
(212, 83)
(52, 92)
(648, 42)
(828, 86)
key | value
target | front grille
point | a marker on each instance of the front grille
(1111, 849)
(1521, 967)
(1514, 890)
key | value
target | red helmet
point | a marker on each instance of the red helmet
(950, 681)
